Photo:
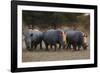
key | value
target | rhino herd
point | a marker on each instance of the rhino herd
(55, 39)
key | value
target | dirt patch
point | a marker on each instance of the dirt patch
(36, 56)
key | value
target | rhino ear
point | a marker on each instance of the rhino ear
(31, 35)
(85, 35)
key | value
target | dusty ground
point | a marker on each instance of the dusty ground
(54, 55)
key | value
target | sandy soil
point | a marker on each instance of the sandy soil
(54, 55)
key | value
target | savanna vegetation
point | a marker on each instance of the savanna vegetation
(44, 20)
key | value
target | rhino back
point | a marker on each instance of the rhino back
(75, 36)
(51, 36)
(36, 35)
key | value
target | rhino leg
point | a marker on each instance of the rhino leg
(74, 46)
(28, 48)
(79, 46)
(50, 46)
(68, 46)
(59, 46)
(31, 46)
(41, 45)
(46, 47)
(35, 46)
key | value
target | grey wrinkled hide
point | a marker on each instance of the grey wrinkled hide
(52, 37)
(74, 38)
(33, 38)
